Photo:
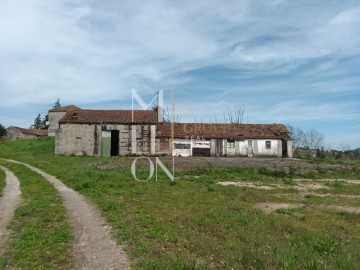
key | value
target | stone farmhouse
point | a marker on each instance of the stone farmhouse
(17, 133)
(143, 132)
(55, 115)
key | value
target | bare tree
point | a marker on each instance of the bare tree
(344, 147)
(169, 117)
(297, 135)
(314, 139)
(235, 115)
(311, 139)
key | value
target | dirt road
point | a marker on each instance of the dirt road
(93, 246)
(8, 203)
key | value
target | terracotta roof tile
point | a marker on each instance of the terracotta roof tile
(36, 132)
(65, 109)
(110, 117)
(229, 131)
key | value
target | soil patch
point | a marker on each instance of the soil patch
(245, 184)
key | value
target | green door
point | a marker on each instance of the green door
(105, 143)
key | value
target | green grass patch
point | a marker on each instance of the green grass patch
(196, 224)
(286, 211)
(40, 232)
(288, 181)
(2, 181)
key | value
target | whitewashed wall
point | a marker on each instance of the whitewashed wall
(261, 148)
(181, 152)
(243, 148)
(191, 143)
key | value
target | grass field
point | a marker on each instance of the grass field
(41, 235)
(2, 181)
(194, 223)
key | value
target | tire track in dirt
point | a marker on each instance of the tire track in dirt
(93, 245)
(8, 204)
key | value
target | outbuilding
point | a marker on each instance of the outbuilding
(206, 139)
(17, 133)
(143, 132)
(107, 133)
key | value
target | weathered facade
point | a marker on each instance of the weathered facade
(106, 133)
(125, 132)
(259, 140)
(17, 133)
(55, 115)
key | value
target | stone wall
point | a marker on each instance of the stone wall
(54, 118)
(77, 139)
(86, 139)
(14, 134)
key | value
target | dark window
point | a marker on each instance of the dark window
(201, 152)
(230, 144)
(181, 146)
(268, 144)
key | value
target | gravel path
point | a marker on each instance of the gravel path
(93, 245)
(8, 204)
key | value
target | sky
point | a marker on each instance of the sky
(284, 61)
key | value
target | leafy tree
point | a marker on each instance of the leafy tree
(37, 122)
(3, 131)
(44, 122)
(57, 104)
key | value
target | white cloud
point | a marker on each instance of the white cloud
(304, 39)
(89, 51)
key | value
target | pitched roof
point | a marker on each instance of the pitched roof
(222, 131)
(36, 132)
(65, 109)
(110, 117)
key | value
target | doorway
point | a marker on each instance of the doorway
(219, 147)
(250, 148)
(284, 148)
(114, 150)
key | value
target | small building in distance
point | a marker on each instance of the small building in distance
(55, 115)
(17, 133)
